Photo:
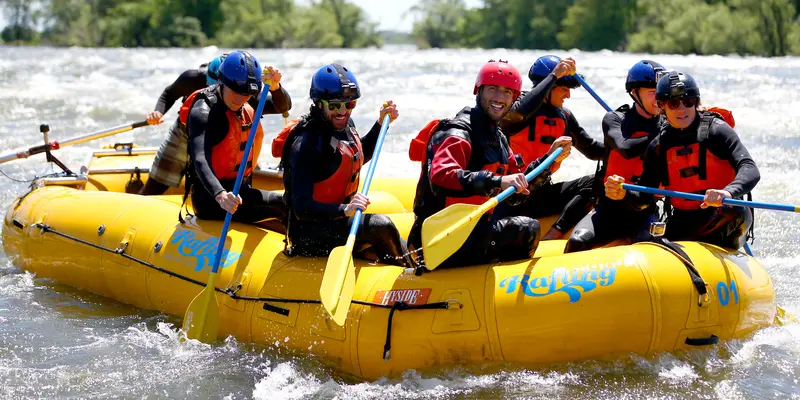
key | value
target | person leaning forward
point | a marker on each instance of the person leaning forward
(219, 120)
(172, 158)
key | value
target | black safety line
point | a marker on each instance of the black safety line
(397, 306)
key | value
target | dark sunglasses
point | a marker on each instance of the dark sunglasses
(688, 102)
(337, 105)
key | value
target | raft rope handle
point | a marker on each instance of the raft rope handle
(403, 306)
(397, 306)
(697, 280)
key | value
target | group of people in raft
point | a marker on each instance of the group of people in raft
(665, 138)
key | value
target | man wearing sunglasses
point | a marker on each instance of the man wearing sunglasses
(219, 120)
(697, 151)
(532, 129)
(172, 159)
(626, 132)
(466, 159)
(322, 157)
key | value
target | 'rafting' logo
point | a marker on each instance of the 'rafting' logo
(203, 251)
(573, 282)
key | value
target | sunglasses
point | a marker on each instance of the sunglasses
(337, 105)
(688, 102)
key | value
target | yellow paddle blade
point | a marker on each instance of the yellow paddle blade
(339, 314)
(446, 231)
(784, 317)
(340, 261)
(201, 321)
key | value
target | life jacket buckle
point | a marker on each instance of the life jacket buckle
(548, 139)
(690, 172)
(657, 229)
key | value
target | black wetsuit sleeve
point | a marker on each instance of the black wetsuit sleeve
(278, 102)
(654, 173)
(201, 145)
(187, 83)
(369, 141)
(725, 144)
(615, 140)
(517, 118)
(592, 149)
(303, 160)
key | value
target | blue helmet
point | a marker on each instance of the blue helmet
(544, 66)
(643, 75)
(241, 72)
(212, 72)
(334, 82)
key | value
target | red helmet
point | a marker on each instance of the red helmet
(499, 73)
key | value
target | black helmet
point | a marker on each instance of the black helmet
(675, 85)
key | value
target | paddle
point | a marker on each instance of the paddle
(446, 231)
(699, 197)
(591, 92)
(70, 142)
(201, 320)
(338, 283)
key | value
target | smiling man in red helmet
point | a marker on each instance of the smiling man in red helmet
(466, 159)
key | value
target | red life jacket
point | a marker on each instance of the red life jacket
(617, 164)
(280, 141)
(688, 167)
(628, 168)
(226, 155)
(343, 183)
(418, 150)
(536, 142)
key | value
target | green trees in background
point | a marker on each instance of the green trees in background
(758, 27)
(186, 23)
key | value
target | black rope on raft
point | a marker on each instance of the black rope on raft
(397, 306)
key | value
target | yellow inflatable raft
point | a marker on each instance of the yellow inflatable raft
(87, 233)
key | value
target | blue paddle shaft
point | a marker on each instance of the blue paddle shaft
(371, 171)
(239, 175)
(591, 92)
(536, 171)
(700, 197)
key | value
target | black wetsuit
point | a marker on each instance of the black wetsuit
(193, 80)
(628, 133)
(571, 199)
(208, 126)
(189, 82)
(724, 226)
(315, 228)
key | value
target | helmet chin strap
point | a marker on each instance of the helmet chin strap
(639, 103)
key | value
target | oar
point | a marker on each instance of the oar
(70, 142)
(700, 197)
(201, 321)
(338, 283)
(591, 92)
(446, 231)
(729, 202)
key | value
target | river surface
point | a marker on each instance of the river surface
(57, 342)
